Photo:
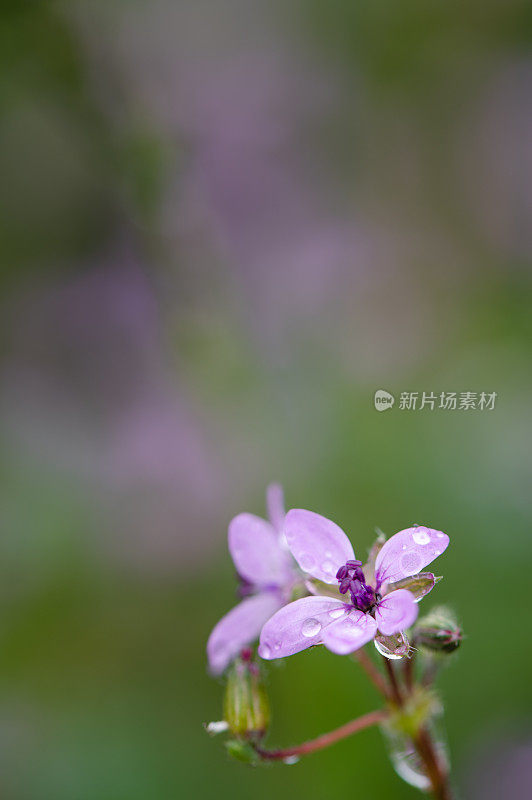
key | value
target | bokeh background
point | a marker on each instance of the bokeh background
(223, 226)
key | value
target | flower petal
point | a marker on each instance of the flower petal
(275, 506)
(407, 552)
(349, 633)
(396, 611)
(239, 627)
(319, 546)
(256, 551)
(299, 625)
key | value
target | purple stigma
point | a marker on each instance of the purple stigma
(351, 578)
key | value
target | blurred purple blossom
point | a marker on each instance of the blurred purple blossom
(501, 769)
(89, 391)
(254, 190)
(494, 160)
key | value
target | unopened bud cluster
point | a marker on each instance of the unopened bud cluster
(246, 706)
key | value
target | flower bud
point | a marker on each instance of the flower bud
(246, 707)
(438, 631)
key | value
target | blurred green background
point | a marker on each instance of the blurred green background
(223, 226)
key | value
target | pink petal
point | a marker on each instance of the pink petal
(396, 612)
(319, 546)
(298, 625)
(238, 628)
(275, 505)
(408, 552)
(349, 633)
(256, 551)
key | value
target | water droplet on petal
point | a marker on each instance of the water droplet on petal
(311, 627)
(265, 651)
(336, 613)
(440, 535)
(393, 647)
(278, 644)
(328, 567)
(384, 651)
(421, 536)
(290, 760)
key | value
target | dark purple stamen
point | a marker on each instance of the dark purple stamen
(342, 572)
(344, 585)
(351, 578)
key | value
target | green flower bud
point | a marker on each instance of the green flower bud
(438, 631)
(246, 706)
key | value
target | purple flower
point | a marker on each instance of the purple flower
(267, 573)
(323, 550)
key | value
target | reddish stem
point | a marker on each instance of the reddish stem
(354, 726)
(408, 670)
(394, 686)
(436, 773)
(424, 745)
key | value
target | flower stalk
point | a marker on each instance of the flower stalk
(326, 739)
(372, 672)
(410, 718)
(394, 685)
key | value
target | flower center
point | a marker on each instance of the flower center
(351, 578)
